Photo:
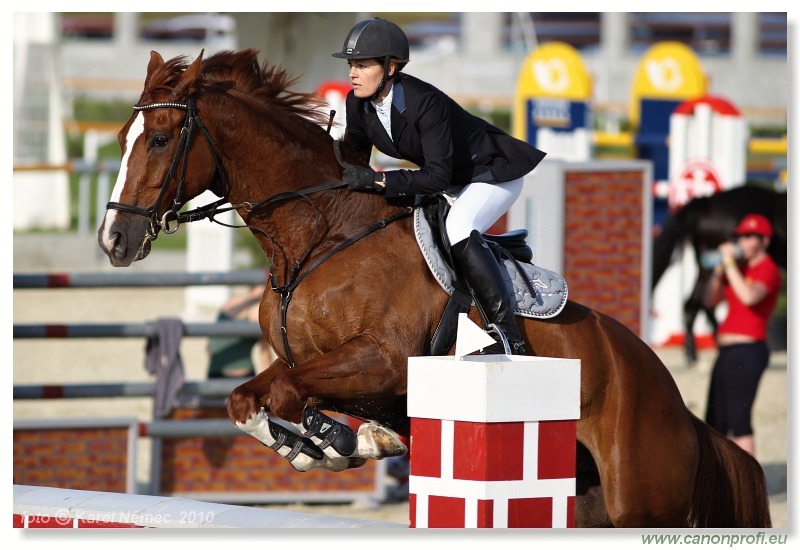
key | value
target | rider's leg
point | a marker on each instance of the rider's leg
(478, 265)
(476, 209)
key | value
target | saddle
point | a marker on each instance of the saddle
(536, 292)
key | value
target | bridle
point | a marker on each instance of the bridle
(191, 122)
(210, 210)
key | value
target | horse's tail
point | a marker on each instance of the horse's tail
(730, 489)
(674, 231)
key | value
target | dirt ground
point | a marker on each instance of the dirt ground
(122, 360)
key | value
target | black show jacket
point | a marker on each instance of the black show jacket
(451, 146)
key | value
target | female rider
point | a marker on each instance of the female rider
(478, 167)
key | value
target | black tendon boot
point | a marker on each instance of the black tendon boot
(481, 271)
(339, 437)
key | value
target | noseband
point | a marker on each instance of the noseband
(181, 153)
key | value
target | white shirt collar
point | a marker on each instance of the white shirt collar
(386, 104)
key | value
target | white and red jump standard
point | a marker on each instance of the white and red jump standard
(493, 441)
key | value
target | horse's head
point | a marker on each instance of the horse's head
(165, 162)
(268, 141)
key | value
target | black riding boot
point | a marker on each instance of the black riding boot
(480, 270)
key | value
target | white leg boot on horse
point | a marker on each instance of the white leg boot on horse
(325, 443)
(480, 269)
(338, 440)
(301, 453)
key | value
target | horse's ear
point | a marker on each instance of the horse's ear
(156, 62)
(194, 68)
(190, 75)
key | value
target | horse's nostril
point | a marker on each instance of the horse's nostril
(118, 244)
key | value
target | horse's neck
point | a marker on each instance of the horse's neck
(303, 234)
(301, 228)
(286, 159)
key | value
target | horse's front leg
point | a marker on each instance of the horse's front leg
(360, 369)
(247, 408)
(356, 369)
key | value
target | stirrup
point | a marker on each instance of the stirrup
(501, 336)
(516, 348)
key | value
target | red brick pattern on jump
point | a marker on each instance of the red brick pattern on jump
(92, 459)
(474, 454)
(426, 433)
(494, 453)
(556, 441)
(603, 229)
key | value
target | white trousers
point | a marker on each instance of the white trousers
(478, 206)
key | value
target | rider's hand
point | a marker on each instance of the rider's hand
(362, 178)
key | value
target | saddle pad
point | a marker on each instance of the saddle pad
(550, 288)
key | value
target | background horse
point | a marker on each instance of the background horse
(705, 223)
(359, 311)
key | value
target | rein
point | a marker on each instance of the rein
(209, 211)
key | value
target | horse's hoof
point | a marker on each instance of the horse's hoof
(376, 441)
(337, 464)
(304, 463)
(356, 462)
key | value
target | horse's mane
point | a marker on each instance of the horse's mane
(239, 74)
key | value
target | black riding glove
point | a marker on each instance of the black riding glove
(362, 178)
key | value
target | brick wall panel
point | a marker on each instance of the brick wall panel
(243, 464)
(603, 228)
(92, 459)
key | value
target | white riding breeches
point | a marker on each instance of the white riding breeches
(478, 206)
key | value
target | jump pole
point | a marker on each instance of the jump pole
(493, 441)
(54, 508)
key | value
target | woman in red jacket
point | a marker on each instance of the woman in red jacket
(750, 286)
(478, 167)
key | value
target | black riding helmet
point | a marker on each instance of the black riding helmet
(376, 38)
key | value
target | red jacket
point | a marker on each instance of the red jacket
(752, 320)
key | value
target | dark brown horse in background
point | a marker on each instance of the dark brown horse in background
(707, 222)
(359, 312)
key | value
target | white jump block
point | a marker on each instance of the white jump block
(493, 441)
(494, 388)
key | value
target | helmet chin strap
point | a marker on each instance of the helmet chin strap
(384, 79)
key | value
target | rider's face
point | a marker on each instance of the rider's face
(365, 76)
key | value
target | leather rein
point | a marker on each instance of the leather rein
(209, 211)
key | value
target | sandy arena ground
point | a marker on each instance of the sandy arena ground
(118, 360)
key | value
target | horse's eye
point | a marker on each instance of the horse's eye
(160, 141)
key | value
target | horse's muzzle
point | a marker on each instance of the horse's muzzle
(123, 247)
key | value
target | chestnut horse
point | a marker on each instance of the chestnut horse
(351, 305)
